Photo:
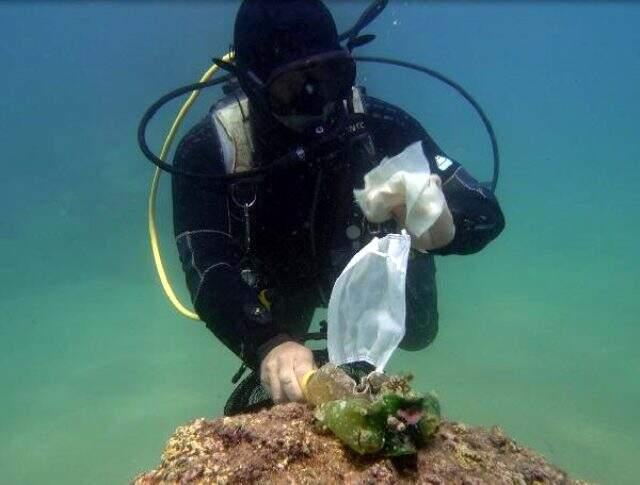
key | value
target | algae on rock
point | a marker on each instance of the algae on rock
(380, 414)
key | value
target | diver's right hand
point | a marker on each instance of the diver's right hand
(282, 370)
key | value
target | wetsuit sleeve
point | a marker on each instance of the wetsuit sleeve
(210, 254)
(476, 212)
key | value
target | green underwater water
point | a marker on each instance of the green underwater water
(538, 333)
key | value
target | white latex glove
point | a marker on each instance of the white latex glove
(404, 179)
(282, 370)
(439, 234)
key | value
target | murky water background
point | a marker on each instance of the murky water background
(538, 333)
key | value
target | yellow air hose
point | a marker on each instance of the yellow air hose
(153, 233)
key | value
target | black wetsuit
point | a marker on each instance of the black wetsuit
(298, 228)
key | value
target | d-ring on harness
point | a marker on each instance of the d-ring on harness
(248, 273)
(245, 206)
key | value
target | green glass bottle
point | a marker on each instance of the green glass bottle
(351, 422)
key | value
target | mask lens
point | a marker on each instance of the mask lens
(308, 88)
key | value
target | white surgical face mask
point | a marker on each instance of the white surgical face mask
(367, 308)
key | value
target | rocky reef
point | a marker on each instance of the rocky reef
(283, 445)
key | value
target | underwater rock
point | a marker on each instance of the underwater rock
(283, 445)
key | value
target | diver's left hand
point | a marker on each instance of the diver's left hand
(439, 235)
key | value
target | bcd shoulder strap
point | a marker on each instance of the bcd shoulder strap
(231, 120)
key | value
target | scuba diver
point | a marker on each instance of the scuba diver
(261, 254)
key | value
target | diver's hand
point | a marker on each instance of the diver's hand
(282, 370)
(439, 235)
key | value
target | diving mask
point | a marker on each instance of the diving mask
(305, 93)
